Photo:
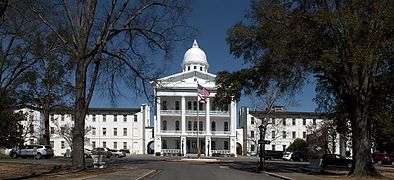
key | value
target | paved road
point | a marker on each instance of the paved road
(169, 168)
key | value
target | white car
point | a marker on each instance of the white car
(118, 153)
(287, 156)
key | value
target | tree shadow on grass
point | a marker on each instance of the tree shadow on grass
(55, 169)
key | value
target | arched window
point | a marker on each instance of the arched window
(213, 126)
(225, 126)
(195, 126)
(188, 68)
(201, 68)
(189, 126)
(177, 125)
(200, 126)
(164, 125)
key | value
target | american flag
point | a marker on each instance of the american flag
(202, 94)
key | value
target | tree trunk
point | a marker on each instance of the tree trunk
(361, 134)
(45, 111)
(80, 113)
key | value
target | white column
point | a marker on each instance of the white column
(207, 117)
(158, 115)
(233, 117)
(208, 152)
(183, 145)
(183, 115)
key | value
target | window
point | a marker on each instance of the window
(104, 118)
(52, 143)
(94, 118)
(304, 122)
(200, 68)
(62, 130)
(284, 121)
(115, 118)
(195, 105)
(177, 125)
(164, 105)
(124, 131)
(284, 148)
(31, 117)
(164, 125)
(62, 117)
(124, 118)
(273, 121)
(104, 131)
(124, 145)
(93, 144)
(252, 120)
(304, 135)
(293, 122)
(200, 106)
(188, 68)
(252, 134)
(177, 144)
(104, 144)
(31, 129)
(225, 145)
(164, 144)
(135, 117)
(213, 145)
(252, 147)
(213, 126)
(94, 131)
(273, 134)
(189, 126)
(273, 147)
(52, 117)
(115, 131)
(176, 105)
(189, 105)
(195, 126)
(115, 145)
(314, 121)
(200, 126)
(62, 144)
(284, 134)
(294, 134)
(225, 126)
(195, 67)
(52, 130)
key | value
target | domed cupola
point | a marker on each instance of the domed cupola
(195, 59)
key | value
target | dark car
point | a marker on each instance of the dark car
(300, 156)
(36, 151)
(269, 155)
(381, 158)
(335, 160)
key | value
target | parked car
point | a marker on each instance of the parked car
(391, 158)
(118, 153)
(300, 156)
(36, 151)
(381, 158)
(273, 155)
(106, 151)
(287, 156)
(87, 153)
(336, 160)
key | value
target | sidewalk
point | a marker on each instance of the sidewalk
(294, 176)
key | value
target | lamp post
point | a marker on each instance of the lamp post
(261, 154)
(182, 153)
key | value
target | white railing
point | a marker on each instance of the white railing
(220, 151)
(170, 150)
(170, 112)
(194, 132)
(171, 131)
(222, 113)
(220, 132)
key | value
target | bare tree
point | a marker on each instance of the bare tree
(65, 131)
(114, 35)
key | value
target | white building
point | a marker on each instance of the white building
(282, 129)
(176, 121)
(115, 128)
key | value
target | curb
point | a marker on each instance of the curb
(278, 176)
(147, 174)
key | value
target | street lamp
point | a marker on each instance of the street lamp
(261, 128)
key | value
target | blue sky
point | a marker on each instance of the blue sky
(212, 18)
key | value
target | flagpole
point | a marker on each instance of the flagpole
(198, 126)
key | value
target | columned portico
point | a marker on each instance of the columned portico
(177, 105)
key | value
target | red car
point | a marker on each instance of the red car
(381, 158)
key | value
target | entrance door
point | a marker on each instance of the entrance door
(191, 146)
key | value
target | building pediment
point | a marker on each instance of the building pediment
(187, 79)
